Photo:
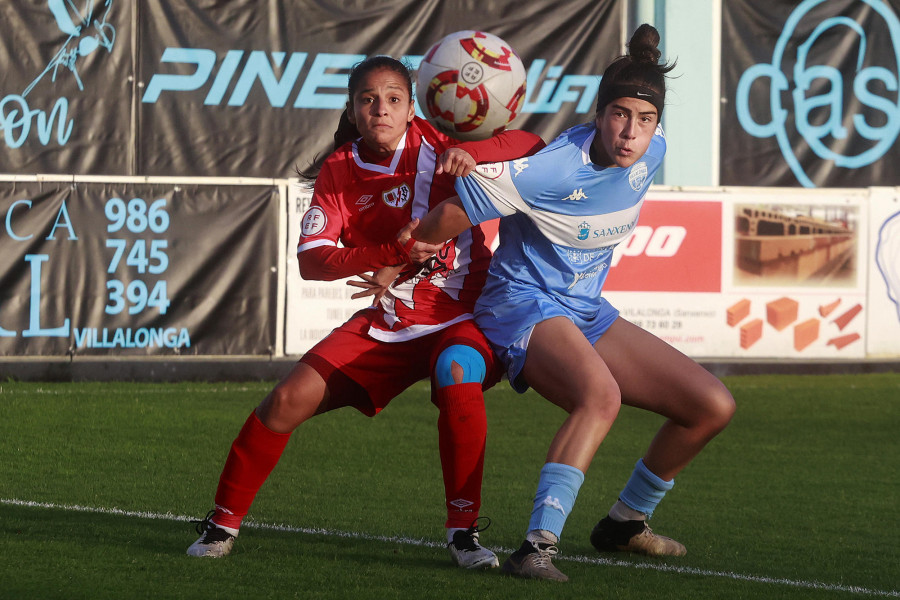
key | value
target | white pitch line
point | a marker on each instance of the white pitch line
(419, 542)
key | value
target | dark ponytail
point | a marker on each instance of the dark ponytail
(638, 74)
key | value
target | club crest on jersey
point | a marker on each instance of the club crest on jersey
(313, 222)
(638, 175)
(584, 230)
(397, 197)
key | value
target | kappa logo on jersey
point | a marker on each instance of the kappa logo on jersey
(577, 195)
(364, 202)
(520, 164)
(397, 197)
(314, 221)
(638, 175)
(491, 170)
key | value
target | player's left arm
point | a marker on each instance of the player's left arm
(376, 284)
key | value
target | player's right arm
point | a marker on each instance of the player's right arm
(319, 255)
(445, 221)
(461, 159)
(487, 195)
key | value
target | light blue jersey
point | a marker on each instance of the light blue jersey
(562, 215)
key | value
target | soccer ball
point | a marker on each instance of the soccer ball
(470, 85)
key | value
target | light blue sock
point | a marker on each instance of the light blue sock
(556, 492)
(644, 490)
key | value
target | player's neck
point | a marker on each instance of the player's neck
(370, 156)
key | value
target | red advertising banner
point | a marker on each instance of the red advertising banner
(676, 247)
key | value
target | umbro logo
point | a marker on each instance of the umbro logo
(461, 503)
(364, 202)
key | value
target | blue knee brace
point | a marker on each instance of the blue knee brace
(470, 359)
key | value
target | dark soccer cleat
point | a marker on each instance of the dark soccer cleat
(533, 560)
(214, 541)
(610, 535)
(467, 552)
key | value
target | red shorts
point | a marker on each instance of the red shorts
(367, 373)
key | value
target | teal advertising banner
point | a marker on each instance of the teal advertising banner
(252, 88)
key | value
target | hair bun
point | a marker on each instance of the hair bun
(643, 46)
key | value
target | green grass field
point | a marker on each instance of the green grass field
(798, 498)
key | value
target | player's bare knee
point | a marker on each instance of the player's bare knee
(284, 407)
(719, 408)
(602, 401)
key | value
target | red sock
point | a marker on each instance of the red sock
(254, 453)
(462, 430)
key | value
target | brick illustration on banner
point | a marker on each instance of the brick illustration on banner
(751, 333)
(805, 333)
(782, 312)
(737, 312)
(827, 309)
(844, 320)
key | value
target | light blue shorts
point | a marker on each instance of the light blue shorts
(508, 325)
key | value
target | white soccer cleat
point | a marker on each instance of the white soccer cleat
(214, 541)
(468, 553)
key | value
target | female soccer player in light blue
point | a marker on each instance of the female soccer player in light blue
(562, 211)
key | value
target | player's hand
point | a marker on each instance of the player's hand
(455, 162)
(420, 251)
(376, 284)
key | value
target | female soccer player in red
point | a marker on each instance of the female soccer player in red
(369, 189)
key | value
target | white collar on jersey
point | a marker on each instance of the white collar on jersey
(586, 148)
(388, 170)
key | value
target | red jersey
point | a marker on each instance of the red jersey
(364, 205)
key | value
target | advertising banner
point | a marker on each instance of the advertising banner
(313, 308)
(748, 275)
(67, 87)
(253, 89)
(884, 273)
(809, 93)
(137, 269)
(718, 274)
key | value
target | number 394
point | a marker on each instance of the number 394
(136, 296)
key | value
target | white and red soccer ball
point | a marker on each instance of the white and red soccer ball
(471, 85)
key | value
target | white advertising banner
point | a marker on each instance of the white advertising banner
(313, 308)
(724, 273)
(884, 273)
(748, 273)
